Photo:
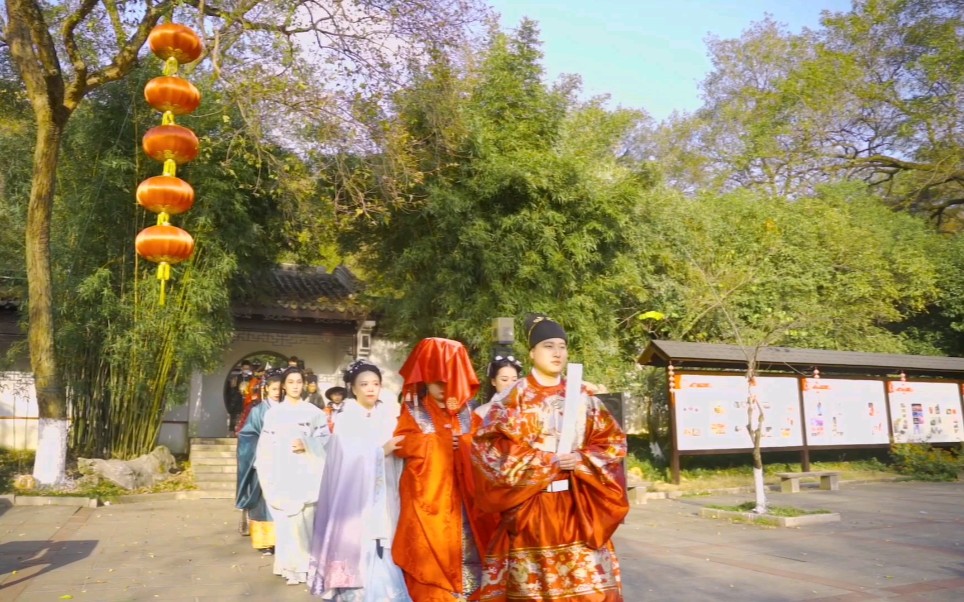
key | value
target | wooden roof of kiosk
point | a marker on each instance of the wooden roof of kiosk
(787, 359)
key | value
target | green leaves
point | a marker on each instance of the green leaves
(873, 96)
(521, 205)
(836, 271)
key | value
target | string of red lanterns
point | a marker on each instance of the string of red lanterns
(172, 145)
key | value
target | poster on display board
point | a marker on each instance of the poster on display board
(711, 411)
(928, 411)
(845, 412)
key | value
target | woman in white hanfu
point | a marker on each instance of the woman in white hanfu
(351, 549)
(290, 463)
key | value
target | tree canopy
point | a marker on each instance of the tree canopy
(875, 95)
(520, 203)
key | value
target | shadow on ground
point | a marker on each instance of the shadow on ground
(31, 559)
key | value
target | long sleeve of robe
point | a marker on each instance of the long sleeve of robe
(249, 496)
(550, 545)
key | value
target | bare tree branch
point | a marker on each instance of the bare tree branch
(126, 58)
(73, 54)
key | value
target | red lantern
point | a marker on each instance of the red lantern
(173, 142)
(173, 94)
(166, 194)
(172, 145)
(177, 41)
(164, 244)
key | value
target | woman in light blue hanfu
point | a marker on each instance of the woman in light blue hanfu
(351, 549)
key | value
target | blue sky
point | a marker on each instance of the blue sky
(647, 54)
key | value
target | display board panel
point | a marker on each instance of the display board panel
(925, 411)
(711, 411)
(845, 412)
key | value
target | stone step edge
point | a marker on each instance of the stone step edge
(214, 448)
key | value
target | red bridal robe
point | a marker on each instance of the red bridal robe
(440, 533)
(550, 545)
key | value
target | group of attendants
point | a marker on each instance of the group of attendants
(430, 498)
(249, 384)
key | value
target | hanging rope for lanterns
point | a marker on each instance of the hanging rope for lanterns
(172, 145)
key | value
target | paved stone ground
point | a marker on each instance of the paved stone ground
(900, 541)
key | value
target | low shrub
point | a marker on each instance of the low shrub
(924, 462)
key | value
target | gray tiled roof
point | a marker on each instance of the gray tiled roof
(292, 292)
(295, 292)
(712, 355)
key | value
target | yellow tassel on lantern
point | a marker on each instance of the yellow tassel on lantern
(163, 274)
(170, 66)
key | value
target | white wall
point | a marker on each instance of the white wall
(18, 411)
(326, 355)
(389, 357)
(204, 414)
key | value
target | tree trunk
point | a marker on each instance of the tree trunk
(51, 399)
(755, 415)
(759, 488)
(34, 54)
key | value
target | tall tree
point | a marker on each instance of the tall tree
(516, 202)
(874, 94)
(839, 270)
(16, 134)
(836, 271)
(64, 52)
(897, 67)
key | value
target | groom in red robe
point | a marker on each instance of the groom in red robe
(558, 509)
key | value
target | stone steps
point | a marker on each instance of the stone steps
(220, 447)
(203, 453)
(215, 467)
(209, 494)
(215, 477)
(217, 461)
(217, 485)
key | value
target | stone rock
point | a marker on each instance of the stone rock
(143, 471)
(88, 481)
(25, 482)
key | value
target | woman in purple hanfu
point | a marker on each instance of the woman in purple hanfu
(351, 559)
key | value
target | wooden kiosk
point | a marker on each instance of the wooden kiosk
(811, 399)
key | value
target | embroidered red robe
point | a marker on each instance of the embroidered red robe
(553, 542)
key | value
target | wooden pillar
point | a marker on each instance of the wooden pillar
(673, 437)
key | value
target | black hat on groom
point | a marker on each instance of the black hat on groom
(540, 327)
